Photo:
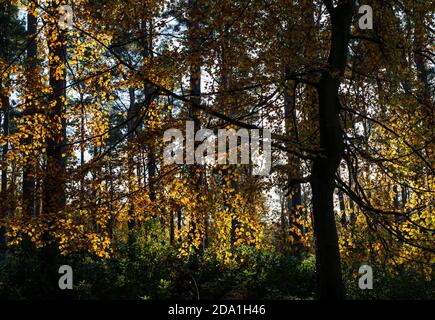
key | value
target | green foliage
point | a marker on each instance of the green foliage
(146, 269)
(263, 274)
(400, 284)
(12, 32)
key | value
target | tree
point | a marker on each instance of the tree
(11, 36)
(29, 172)
(332, 146)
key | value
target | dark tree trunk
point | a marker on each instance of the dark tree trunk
(332, 145)
(179, 220)
(150, 94)
(294, 200)
(5, 150)
(54, 183)
(4, 206)
(171, 229)
(132, 116)
(421, 42)
(195, 61)
(54, 180)
(29, 169)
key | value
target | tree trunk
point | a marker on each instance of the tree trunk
(4, 179)
(29, 169)
(5, 150)
(54, 184)
(54, 181)
(171, 229)
(421, 42)
(195, 61)
(325, 166)
(132, 116)
(294, 200)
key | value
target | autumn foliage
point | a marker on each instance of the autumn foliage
(84, 110)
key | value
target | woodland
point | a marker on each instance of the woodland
(88, 89)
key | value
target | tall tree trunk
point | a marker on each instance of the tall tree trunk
(331, 142)
(54, 182)
(195, 61)
(152, 146)
(29, 169)
(5, 149)
(132, 116)
(226, 103)
(421, 42)
(294, 200)
(4, 206)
